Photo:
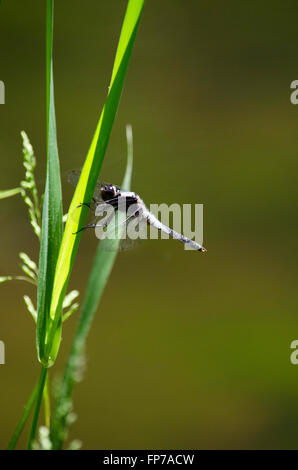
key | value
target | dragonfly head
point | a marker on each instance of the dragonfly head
(109, 191)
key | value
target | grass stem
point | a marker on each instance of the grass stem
(39, 395)
(47, 403)
(20, 426)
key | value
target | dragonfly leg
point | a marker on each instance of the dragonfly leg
(87, 204)
(94, 225)
(86, 226)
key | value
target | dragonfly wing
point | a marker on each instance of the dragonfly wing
(123, 245)
(122, 226)
(128, 244)
(73, 178)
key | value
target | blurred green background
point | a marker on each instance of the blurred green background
(187, 350)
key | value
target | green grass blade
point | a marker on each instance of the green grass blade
(51, 233)
(20, 426)
(39, 395)
(101, 269)
(92, 165)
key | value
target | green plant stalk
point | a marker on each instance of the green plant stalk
(20, 426)
(90, 172)
(51, 232)
(100, 272)
(39, 395)
(96, 283)
(47, 403)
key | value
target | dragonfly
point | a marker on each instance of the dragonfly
(130, 202)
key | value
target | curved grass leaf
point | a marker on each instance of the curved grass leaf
(85, 187)
(51, 233)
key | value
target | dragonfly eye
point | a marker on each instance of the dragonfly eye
(108, 192)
